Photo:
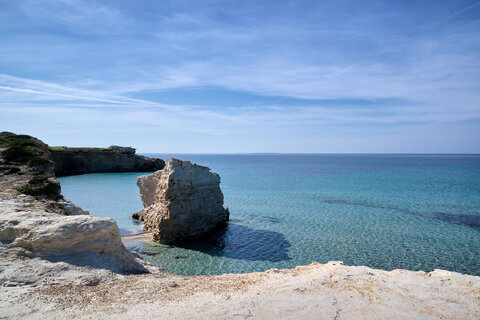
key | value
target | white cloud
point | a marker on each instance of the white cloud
(85, 16)
(434, 68)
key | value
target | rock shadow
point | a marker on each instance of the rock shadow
(237, 241)
(469, 220)
(368, 205)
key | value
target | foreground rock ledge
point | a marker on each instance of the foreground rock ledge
(183, 201)
(318, 291)
(27, 231)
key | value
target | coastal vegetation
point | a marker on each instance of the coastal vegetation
(63, 148)
(41, 185)
(24, 154)
(28, 156)
(19, 148)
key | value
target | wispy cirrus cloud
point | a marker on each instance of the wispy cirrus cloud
(282, 110)
(267, 69)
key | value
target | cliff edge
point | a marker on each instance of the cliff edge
(37, 223)
(72, 161)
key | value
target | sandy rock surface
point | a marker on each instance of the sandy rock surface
(329, 291)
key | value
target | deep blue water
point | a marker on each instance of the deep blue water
(418, 212)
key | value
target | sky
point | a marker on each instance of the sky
(243, 76)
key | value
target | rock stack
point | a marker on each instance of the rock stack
(182, 201)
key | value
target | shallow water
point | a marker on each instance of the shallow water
(418, 212)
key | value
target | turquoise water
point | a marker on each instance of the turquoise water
(417, 212)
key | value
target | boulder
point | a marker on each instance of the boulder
(183, 201)
(80, 239)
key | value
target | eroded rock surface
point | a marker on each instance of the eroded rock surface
(317, 291)
(37, 224)
(148, 188)
(182, 201)
(78, 239)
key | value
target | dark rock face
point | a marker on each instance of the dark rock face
(71, 161)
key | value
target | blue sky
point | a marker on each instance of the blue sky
(249, 76)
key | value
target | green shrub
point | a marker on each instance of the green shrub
(60, 148)
(18, 153)
(47, 188)
(57, 148)
(57, 197)
(26, 189)
(38, 179)
(35, 162)
(19, 148)
(3, 142)
(6, 139)
(41, 185)
(40, 164)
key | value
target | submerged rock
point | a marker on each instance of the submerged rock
(182, 201)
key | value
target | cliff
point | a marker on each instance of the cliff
(71, 161)
(183, 201)
(36, 222)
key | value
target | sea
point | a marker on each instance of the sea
(386, 211)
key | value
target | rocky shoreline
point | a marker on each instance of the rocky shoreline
(57, 262)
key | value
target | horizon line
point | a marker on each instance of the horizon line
(311, 153)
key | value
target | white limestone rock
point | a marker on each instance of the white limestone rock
(71, 209)
(148, 187)
(80, 240)
(182, 201)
